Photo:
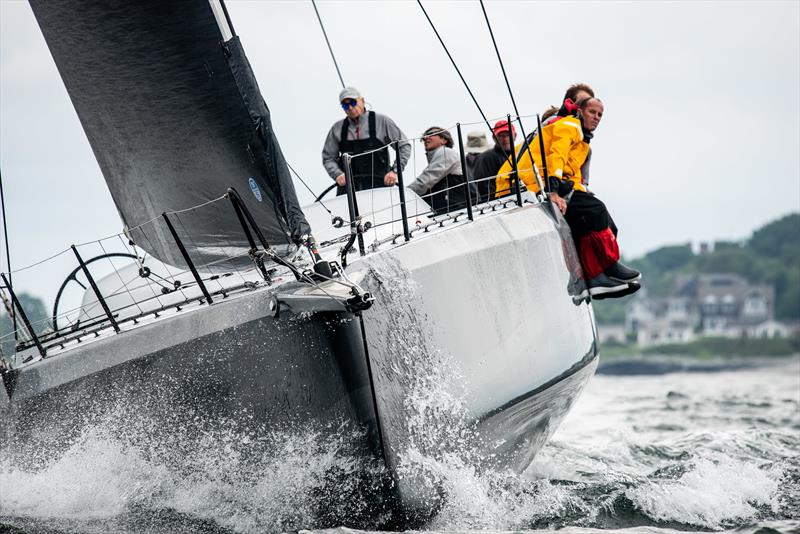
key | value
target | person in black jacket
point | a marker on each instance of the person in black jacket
(476, 145)
(489, 162)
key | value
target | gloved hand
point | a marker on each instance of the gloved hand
(559, 186)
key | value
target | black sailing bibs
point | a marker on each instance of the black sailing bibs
(446, 197)
(368, 171)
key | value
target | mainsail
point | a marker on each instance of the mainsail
(175, 117)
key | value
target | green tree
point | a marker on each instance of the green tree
(780, 239)
(37, 314)
(771, 256)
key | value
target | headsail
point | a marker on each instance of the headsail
(174, 116)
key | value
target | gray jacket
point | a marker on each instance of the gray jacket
(385, 130)
(441, 162)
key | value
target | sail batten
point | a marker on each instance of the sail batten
(174, 116)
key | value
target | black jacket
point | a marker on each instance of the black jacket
(487, 165)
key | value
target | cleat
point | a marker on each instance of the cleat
(622, 273)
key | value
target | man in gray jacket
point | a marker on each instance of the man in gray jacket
(360, 132)
(441, 184)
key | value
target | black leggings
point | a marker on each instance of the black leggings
(586, 214)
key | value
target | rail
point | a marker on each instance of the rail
(473, 193)
(127, 294)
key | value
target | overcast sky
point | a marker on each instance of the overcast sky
(700, 138)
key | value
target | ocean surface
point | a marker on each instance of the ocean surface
(652, 446)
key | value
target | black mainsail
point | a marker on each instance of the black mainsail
(175, 117)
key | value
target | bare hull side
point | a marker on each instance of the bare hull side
(493, 314)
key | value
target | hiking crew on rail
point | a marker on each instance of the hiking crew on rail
(566, 145)
(363, 131)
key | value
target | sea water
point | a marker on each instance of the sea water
(700, 446)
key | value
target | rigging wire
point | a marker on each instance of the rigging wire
(458, 71)
(500, 60)
(511, 94)
(325, 34)
(318, 198)
(8, 254)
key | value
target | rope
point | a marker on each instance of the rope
(140, 261)
(466, 85)
(324, 33)
(125, 285)
(500, 60)
(511, 94)
(307, 187)
(8, 254)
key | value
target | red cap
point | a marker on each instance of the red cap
(502, 126)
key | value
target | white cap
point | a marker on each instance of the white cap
(476, 143)
(349, 92)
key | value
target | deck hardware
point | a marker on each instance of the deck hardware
(517, 189)
(236, 201)
(465, 173)
(544, 159)
(92, 283)
(245, 218)
(352, 203)
(187, 259)
(401, 186)
(15, 302)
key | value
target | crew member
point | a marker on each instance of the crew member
(490, 161)
(476, 145)
(441, 184)
(576, 92)
(566, 143)
(359, 132)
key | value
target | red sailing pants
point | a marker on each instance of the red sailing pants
(598, 251)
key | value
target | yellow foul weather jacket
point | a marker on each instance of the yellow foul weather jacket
(566, 152)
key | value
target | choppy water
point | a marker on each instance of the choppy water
(709, 447)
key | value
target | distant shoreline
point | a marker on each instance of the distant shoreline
(711, 347)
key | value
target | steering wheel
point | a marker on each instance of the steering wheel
(328, 190)
(73, 278)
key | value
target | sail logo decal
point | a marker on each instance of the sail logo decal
(255, 189)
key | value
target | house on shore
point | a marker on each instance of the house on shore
(705, 305)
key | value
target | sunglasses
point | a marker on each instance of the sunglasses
(347, 104)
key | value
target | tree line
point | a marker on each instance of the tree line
(770, 256)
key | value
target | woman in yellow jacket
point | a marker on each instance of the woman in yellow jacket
(566, 144)
(566, 151)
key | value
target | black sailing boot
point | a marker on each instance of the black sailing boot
(602, 284)
(630, 289)
(622, 273)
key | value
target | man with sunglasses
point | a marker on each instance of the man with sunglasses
(360, 132)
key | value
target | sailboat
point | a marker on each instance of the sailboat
(239, 306)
